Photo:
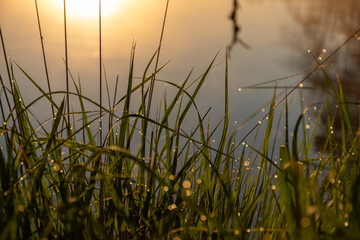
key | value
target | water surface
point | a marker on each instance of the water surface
(276, 36)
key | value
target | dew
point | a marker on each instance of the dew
(21, 208)
(324, 50)
(261, 229)
(199, 181)
(305, 222)
(315, 108)
(239, 214)
(186, 184)
(188, 192)
(171, 177)
(346, 224)
(319, 58)
(172, 207)
(246, 163)
(248, 230)
(239, 89)
(236, 232)
(263, 109)
(176, 238)
(273, 187)
(310, 210)
(166, 188)
(301, 85)
(341, 206)
(203, 218)
(276, 176)
(307, 126)
(56, 167)
(308, 50)
(243, 143)
(259, 122)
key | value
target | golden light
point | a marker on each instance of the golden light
(89, 8)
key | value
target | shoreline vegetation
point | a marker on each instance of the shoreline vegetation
(116, 174)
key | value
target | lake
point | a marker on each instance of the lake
(274, 39)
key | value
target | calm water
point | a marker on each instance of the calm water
(276, 36)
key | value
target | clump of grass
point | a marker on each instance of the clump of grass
(57, 182)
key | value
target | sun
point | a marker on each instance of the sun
(90, 8)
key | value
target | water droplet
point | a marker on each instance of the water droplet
(301, 85)
(188, 192)
(246, 163)
(171, 177)
(320, 58)
(261, 229)
(203, 218)
(236, 232)
(166, 188)
(305, 222)
(307, 126)
(199, 181)
(309, 50)
(239, 89)
(56, 167)
(346, 224)
(273, 187)
(21, 208)
(324, 50)
(186, 184)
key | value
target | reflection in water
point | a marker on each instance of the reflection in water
(325, 25)
(236, 27)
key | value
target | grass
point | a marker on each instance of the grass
(58, 182)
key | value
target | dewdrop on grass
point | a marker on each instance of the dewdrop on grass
(186, 184)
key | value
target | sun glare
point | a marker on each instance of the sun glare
(90, 8)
